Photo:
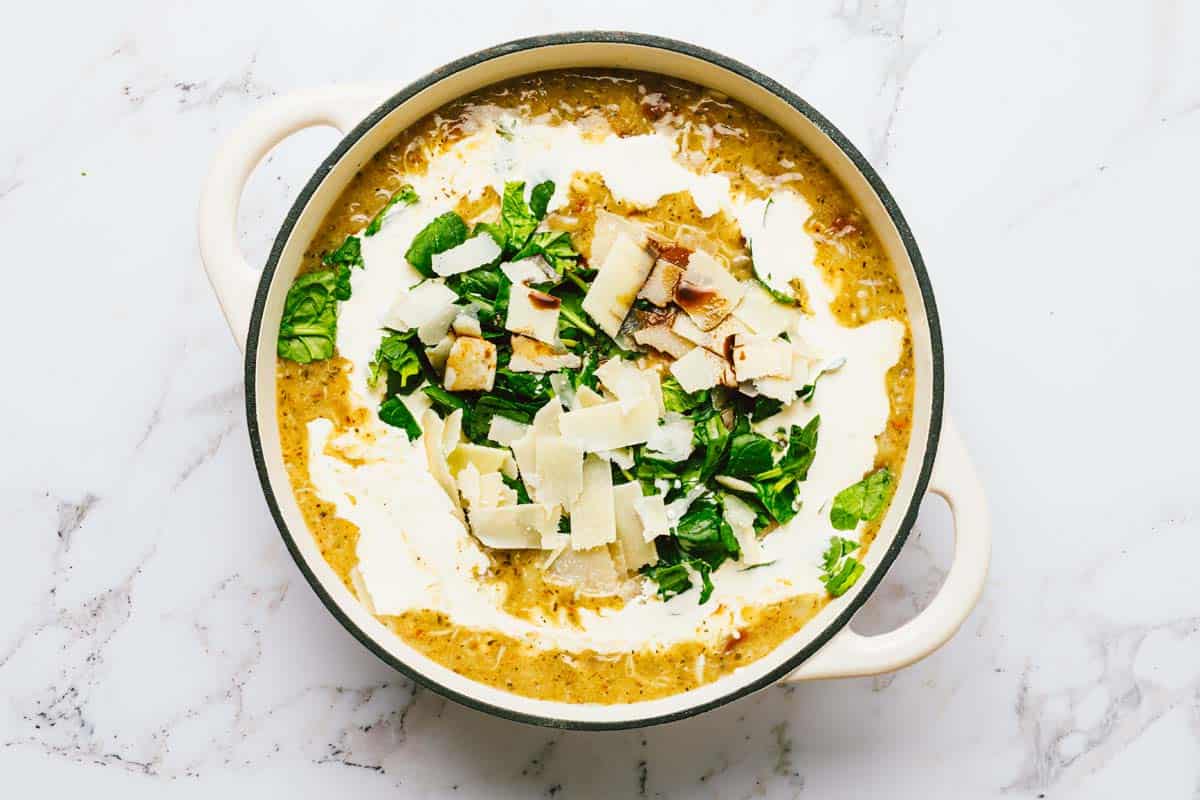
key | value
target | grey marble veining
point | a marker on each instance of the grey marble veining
(156, 640)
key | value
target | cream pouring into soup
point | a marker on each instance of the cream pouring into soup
(594, 386)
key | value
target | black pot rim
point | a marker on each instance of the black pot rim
(644, 40)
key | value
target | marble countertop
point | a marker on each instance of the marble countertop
(157, 641)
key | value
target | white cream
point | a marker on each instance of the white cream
(413, 552)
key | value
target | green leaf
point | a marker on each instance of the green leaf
(398, 358)
(861, 502)
(765, 407)
(440, 235)
(672, 579)
(539, 198)
(839, 569)
(517, 219)
(478, 418)
(703, 533)
(308, 329)
(712, 438)
(809, 389)
(778, 487)
(750, 453)
(518, 486)
(405, 195)
(526, 387)
(348, 253)
(395, 413)
(677, 400)
(555, 247)
(444, 402)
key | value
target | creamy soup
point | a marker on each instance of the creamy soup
(594, 386)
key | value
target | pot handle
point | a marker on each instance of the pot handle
(232, 278)
(850, 654)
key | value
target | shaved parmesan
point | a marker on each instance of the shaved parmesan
(763, 314)
(484, 459)
(606, 230)
(529, 270)
(466, 323)
(468, 486)
(517, 527)
(428, 307)
(437, 355)
(740, 517)
(716, 340)
(431, 425)
(505, 431)
(530, 355)
(608, 426)
(559, 470)
(660, 285)
(588, 397)
(588, 572)
(452, 430)
(622, 457)
(707, 292)
(652, 512)
(533, 313)
(592, 516)
(672, 439)
(637, 550)
(700, 369)
(472, 253)
(471, 365)
(622, 273)
(663, 339)
(761, 357)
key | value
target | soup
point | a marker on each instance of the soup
(594, 385)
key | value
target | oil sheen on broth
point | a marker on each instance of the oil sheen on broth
(716, 137)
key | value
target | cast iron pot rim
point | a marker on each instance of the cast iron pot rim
(644, 40)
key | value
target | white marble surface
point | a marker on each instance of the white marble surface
(157, 641)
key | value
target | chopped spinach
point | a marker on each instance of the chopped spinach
(404, 195)
(395, 413)
(444, 402)
(677, 400)
(862, 501)
(443, 233)
(397, 356)
(308, 329)
(778, 487)
(840, 570)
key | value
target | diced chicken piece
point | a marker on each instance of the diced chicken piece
(474, 252)
(516, 527)
(467, 324)
(609, 426)
(707, 292)
(437, 355)
(471, 365)
(533, 313)
(763, 314)
(660, 285)
(608, 227)
(592, 514)
(530, 355)
(702, 369)
(620, 276)
(505, 431)
(761, 357)
(652, 511)
(429, 307)
(672, 439)
(635, 549)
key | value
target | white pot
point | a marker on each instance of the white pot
(370, 117)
